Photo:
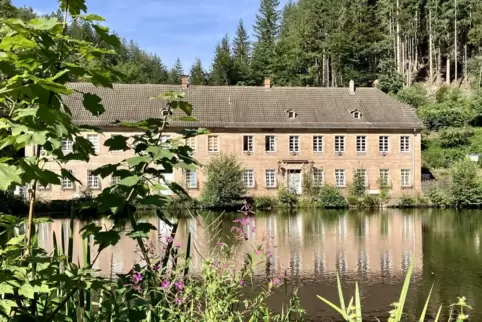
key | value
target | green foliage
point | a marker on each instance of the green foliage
(389, 80)
(357, 188)
(415, 95)
(439, 198)
(466, 187)
(222, 69)
(407, 201)
(287, 198)
(329, 197)
(224, 181)
(384, 191)
(265, 202)
(309, 187)
(455, 137)
(241, 55)
(197, 76)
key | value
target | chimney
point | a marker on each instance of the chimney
(184, 81)
(352, 87)
(267, 82)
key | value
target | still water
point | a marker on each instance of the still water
(373, 248)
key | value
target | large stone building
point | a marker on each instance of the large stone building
(278, 133)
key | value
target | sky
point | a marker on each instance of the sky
(170, 28)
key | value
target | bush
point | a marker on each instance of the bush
(439, 197)
(264, 202)
(371, 202)
(358, 188)
(330, 197)
(308, 183)
(466, 186)
(455, 137)
(287, 198)
(309, 202)
(415, 95)
(224, 181)
(407, 201)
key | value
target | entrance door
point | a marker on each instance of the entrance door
(294, 181)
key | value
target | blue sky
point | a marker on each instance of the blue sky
(170, 28)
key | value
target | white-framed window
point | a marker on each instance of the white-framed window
(383, 143)
(317, 143)
(364, 174)
(406, 178)
(67, 146)
(191, 142)
(191, 179)
(318, 177)
(115, 180)
(340, 177)
(385, 176)
(94, 139)
(93, 181)
(248, 143)
(248, 178)
(270, 143)
(213, 143)
(66, 183)
(339, 143)
(361, 143)
(404, 144)
(270, 178)
(294, 143)
(357, 115)
(291, 114)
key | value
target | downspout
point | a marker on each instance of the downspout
(413, 161)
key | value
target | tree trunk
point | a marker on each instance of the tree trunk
(455, 41)
(466, 75)
(439, 65)
(323, 69)
(430, 44)
(399, 61)
(447, 78)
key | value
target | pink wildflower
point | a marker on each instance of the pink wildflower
(166, 284)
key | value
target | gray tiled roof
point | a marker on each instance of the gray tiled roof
(251, 107)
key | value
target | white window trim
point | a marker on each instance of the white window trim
(344, 178)
(249, 184)
(91, 186)
(274, 181)
(65, 151)
(247, 137)
(274, 143)
(408, 144)
(343, 141)
(297, 143)
(71, 184)
(216, 137)
(380, 146)
(409, 176)
(365, 171)
(192, 145)
(318, 183)
(191, 179)
(388, 176)
(97, 144)
(365, 143)
(322, 144)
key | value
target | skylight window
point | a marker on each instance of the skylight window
(291, 114)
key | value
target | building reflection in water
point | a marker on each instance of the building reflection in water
(303, 244)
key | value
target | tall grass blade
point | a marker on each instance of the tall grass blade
(336, 308)
(438, 314)
(188, 254)
(403, 295)
(71, 241)
(358, 313)
(340, 292)
(56, 247)
(422, 316)
(87, 261)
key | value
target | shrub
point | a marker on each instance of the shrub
(455, 137)
(264, 202)
(224, 181)
(439, 197)
(466, 187)
(415, 95)
(407, 201)
(371, 201)
(308, 183)
(330, 197)
(384, 191)
(309, 202)
(286, 197)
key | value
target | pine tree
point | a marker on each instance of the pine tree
(197, 75)
(266, 30)
(175, 73)
(222, 68)
(241, 55)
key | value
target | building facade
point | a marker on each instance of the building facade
(279, 134)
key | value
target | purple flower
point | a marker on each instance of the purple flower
(157, 267)
(258, 252)
(137, 277)
(178, 301)
(166, 284)
(178, 245)
(276, 281)
(169, 239)
(220, 244)
(245, 236)
(242, 283)
(137, 288)
(269, 254)
(179, 285)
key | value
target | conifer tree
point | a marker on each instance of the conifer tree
(222, 68)
(197, 76)
(241, 55)
(176, 73)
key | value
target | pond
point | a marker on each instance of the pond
(310, 246)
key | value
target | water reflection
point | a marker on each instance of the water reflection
(374, 248)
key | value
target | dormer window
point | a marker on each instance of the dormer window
(356, 114)
(291, 114)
